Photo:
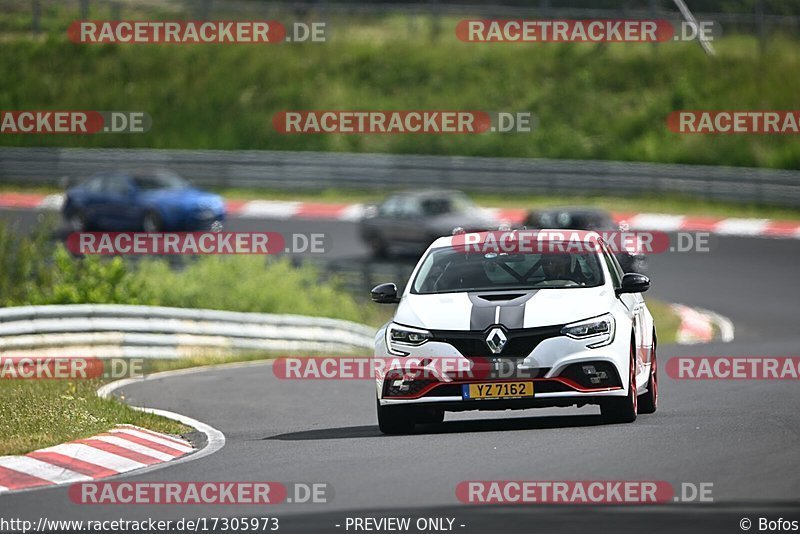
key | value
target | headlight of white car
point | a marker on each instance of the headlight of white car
(602, 328)
(398, 336)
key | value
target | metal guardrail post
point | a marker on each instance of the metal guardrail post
(36, 16)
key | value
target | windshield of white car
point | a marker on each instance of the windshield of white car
(447, 270)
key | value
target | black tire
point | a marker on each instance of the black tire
(76, 221)
(152, 223)
(395, 419)
(648, 402)
(378, 247)
(430, 416)
(623, 409)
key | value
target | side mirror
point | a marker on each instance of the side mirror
(385, 294)
(634, 283)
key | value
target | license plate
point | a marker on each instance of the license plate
(497, 390)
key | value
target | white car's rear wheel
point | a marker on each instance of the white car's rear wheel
(648, 402)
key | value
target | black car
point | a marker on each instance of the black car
(411, 221)
(585, 219)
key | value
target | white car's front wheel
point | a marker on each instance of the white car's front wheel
(395, 419)
(623, 409)
(430, 416)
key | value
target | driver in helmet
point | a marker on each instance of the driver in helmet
(557, 266)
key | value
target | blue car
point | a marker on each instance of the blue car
(153, 201)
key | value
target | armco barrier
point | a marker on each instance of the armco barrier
(109, 330)
(323, 170)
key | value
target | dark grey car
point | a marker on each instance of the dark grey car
(409, 222)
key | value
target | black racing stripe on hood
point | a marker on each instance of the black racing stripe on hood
(481, 317)
(512, 312)
(513, 317)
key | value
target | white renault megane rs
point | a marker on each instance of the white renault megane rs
(521, 320)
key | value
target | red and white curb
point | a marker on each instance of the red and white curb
(281, 209)
(124, 449)
(701, 326)
(121, 449)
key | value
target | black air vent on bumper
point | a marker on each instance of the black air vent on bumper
(595, 374)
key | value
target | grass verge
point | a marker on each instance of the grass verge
(41, 413)
(605, 101)
(666, 320)
(662, 203)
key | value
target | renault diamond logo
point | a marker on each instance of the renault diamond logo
(496, 340)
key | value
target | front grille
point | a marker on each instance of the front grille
(520, 341)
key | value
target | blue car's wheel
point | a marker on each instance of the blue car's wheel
(152, 223)
(77, 221)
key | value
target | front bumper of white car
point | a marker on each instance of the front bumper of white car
(562, 370)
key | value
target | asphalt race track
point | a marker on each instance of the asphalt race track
(742, 436)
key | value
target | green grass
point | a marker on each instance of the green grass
(22, 187)
(666, 321)
(41, 413)
(592, 101)
(662, 203)
(38, 273)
